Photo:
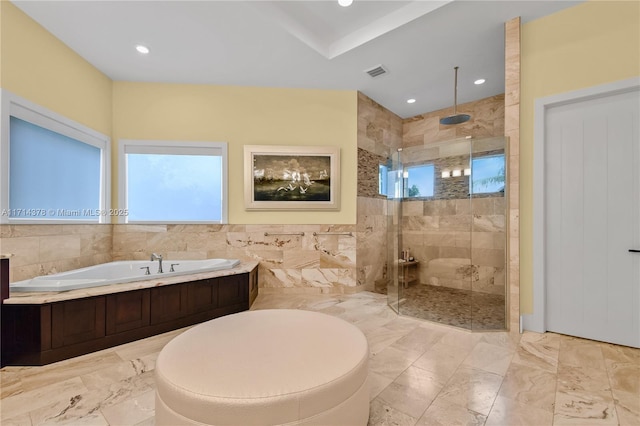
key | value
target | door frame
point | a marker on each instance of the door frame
(537, 320)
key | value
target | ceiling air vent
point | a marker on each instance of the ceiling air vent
(376, 71)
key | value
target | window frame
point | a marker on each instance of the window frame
(23, 109)
(136, 146)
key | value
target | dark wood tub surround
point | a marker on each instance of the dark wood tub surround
(42, 333)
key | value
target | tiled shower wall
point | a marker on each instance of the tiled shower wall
(487, 120)
(379, 134)
(460, 243)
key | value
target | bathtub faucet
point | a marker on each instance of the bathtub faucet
(157, 257)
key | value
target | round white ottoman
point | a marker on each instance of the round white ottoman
(265, 367)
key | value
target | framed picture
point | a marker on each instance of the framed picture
(291, 177)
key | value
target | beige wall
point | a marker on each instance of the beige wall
(245, 116)
(587, 45)
(39, 67)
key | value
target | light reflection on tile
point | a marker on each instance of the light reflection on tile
(509, 412)
(412, 392)
(472, 388)
(131, 411)
(381, 414)
(445, 413)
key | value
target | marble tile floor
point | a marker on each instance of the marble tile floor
(421, 373)
(467, 309)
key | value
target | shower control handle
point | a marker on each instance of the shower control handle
(634, 251)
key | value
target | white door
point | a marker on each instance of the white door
(592, 216)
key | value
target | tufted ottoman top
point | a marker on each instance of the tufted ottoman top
(258, 367)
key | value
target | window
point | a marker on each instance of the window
(173, 182)
(487, 174)
(419, 181)
(53, 169)
(382, 179)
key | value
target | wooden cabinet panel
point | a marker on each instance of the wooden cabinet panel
(233, 289)
(75, 321)
(168, 303)
(41, 334)
(127, 311)
(203, 295)
(253, 286)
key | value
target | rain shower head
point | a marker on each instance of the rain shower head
(455, 118)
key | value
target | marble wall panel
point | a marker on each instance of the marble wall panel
(455, 223)
(379, 134)
(185, 255)
(512, 110)
(442, 233)
(489, 223)
(40, 251)
(300, 259)
(45, 249)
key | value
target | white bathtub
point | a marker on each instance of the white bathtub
(119, 272)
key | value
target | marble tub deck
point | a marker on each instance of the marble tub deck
(421, 373)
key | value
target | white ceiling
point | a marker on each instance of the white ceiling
(301, 44)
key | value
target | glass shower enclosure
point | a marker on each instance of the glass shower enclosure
(446, 232)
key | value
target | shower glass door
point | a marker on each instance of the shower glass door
(395, 193)
(446, 233)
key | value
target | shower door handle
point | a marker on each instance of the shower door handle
(634, 251)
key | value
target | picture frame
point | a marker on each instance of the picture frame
(282, 177)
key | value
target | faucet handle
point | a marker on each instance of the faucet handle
(147, 270)
(172, 265)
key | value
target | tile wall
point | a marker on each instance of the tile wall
(487, 120)
(288, 263)
(379, 134)
(512, 132)
(322, 263)
(460, 243)
(46, 249)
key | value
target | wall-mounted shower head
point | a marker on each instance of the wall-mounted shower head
(455, 118)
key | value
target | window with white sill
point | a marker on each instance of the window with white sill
(173, 181)
(54, 170)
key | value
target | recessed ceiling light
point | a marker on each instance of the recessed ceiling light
(142, 49)
(345, 3)
(410, 101)
(479, 81)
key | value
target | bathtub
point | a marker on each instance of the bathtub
(119, 272)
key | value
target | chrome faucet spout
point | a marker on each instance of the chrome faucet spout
(155, 256)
